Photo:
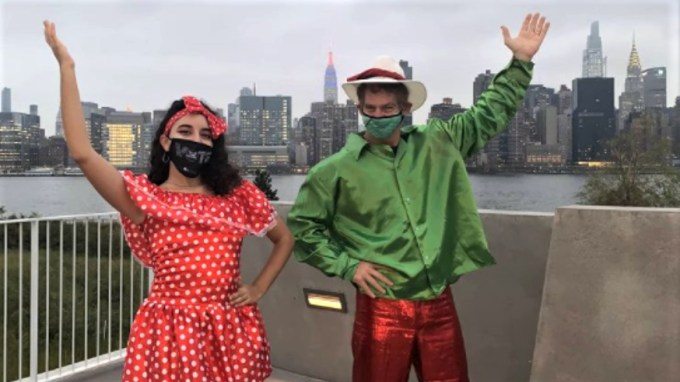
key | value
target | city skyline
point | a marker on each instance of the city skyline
(171, 67)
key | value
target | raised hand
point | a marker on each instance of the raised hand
(58, 48)
(530, 37)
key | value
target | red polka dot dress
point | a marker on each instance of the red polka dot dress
(186, 330)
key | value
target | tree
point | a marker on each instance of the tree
(641, 174)
(264, 182)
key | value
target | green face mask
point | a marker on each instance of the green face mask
(382, 127)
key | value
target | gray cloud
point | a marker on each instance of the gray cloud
(145, 55)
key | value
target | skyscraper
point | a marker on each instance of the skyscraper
(330, 84)
(564, 117)
(482, 82)
(232, 117)
(146, 137)
(564, 100)
(34, 138)
(308, 137)
(96, 123)
(445, 110)
(6, 100)
(13, 143)
(546, 121)
(593, 120)
(489, 155)
(594, 64)
(632, 97)
(57, 152)
(333, 123)
(408, 73)
(58, 125)
(408, 70)
(538, 97)
(653, 124)
(264, 120)
(122, 138)
(88, 109)
(348, 123)
(514, 139)
(654, 85)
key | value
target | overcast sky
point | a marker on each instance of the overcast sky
(143, 55)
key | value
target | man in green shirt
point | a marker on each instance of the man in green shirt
(393, 212)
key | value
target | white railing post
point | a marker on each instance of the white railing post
(35, 267)
(21, 299)
(4, 310)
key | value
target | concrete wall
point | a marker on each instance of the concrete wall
(498, 306)
(610, 309)
(307, 341)
(611, 305)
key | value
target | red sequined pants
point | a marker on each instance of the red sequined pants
(391, 335)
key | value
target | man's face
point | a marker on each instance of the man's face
(380, 104)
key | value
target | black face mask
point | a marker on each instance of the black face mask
(189, 157)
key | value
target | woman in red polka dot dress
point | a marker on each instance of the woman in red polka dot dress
(186, 220)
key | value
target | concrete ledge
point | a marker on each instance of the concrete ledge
(611, 303)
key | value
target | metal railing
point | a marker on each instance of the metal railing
(70, 289)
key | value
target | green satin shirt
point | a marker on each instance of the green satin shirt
(412, 211)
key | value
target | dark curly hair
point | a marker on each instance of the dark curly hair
(220, 176)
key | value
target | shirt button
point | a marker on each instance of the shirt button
(408, 200)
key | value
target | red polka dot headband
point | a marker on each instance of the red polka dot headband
(194, 106)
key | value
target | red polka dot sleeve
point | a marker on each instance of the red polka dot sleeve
(134, 233)
(260, 215)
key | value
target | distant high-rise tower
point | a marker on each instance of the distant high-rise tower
(490, 153)
(593, 120)
(332, 124)
(408, 73)
(482, 82)
(122, 137)
(632, 97)
(654, 85)
(564, 100)
(245, 91)
(232, 116)
(330, 84)
(264, 120)
(6, 100)
(594, 65)
(408, 70)
(564, 117)
(634, 71)
(445, 110)
(538, 97)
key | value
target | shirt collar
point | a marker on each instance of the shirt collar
(356, 144)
